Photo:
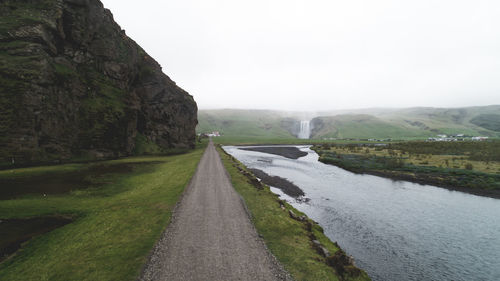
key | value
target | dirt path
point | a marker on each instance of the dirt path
(211, 236)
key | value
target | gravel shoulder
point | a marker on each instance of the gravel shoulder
(211, 236)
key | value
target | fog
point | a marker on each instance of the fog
(322, 54)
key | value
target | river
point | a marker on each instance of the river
(395, 230)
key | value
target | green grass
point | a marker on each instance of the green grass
(362, 126)
(116, 223)
(289, 240)
(488, 121)
(251, 124)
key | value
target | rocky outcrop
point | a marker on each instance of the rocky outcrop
(288, 187)
(74, 86)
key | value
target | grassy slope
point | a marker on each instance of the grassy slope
(410, 123)
(115, 228)
(445, 120)
(364, 126)
(253, 126)
(286, 238)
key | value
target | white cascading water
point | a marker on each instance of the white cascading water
(305, 130)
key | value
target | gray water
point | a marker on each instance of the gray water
(395, 230)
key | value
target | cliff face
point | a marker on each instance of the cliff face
(73, 85)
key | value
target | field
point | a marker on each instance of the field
(469, 166)
(116, 211)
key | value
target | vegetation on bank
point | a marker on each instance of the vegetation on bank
(469, 166)
(117, 217)
(289, 239)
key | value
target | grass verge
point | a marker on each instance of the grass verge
(290, 240)
(116, 223)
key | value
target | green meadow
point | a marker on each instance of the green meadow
(118, 209)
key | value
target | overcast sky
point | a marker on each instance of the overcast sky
(322, 54)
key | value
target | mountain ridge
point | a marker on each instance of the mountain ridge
(405, 123)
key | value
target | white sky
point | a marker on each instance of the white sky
(322, 54)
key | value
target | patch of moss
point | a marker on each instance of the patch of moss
(64, 70)
(144, 146)
(14, 14)
(22, 67)
(145, 71)
(9, 105)
(16, 44)
(102, 112)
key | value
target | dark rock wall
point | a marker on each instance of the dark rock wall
(74, 86)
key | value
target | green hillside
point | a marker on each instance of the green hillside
(447, 120)
(362, 126)
(487, 121)
(253, 124)
(407, 123)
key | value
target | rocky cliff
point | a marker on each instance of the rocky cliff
(74, 86)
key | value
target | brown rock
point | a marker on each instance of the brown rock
(293, 215)
(320, 248)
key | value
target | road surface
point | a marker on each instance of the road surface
(211, 236)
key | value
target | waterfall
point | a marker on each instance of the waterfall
(305, 130)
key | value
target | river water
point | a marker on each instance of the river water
(395, 230)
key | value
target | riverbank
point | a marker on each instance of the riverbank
(118, 210)
(451, 171)
(297, 242)
(290, 152)
(395, 230)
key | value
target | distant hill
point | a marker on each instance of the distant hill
(246, 123)
(409, 122)
(363, 126)
(418, 122)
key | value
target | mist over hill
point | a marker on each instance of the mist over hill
(399, 123)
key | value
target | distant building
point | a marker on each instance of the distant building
(214, 134)
(442, 139)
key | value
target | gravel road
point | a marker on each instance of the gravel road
(211, 236)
